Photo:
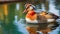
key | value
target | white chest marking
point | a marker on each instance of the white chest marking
(31, 21)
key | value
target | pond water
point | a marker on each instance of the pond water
(18, 26)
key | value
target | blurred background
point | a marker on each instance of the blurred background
(12, 18)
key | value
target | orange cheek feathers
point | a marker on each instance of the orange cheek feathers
(31, 13)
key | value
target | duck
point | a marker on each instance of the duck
(41, 17)
(31, 16)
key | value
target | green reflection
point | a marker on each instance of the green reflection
(7, 26)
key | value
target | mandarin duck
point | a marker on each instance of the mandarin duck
(42, 17)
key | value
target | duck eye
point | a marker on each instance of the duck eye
(46, 13)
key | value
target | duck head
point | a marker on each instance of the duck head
(29, 7)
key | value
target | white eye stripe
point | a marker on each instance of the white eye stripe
(31, 7)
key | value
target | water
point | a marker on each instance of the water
(52, 7)
(20, 25)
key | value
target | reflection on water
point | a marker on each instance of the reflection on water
(20, 26)
(15, 26)
(52, 7)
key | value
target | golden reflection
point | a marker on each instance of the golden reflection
(1, 12)
(5, 9)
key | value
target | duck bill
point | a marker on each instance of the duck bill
(25, 11)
